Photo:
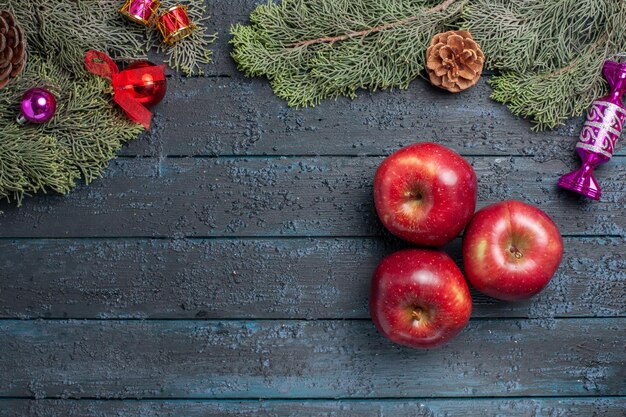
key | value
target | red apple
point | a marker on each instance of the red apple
(511, 250)
(419, 298)
(425, 194)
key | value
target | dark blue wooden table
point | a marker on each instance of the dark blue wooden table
(222, 265)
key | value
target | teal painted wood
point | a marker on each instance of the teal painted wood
(263, 278)
(325, 196)
(273, 219)
(308, 359)
(541, 407)
(246, 118)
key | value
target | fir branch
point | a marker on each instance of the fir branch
(311, 50)
(360, 34)
(63, 30)
(550, 54)
(81, 139)
(88, 128)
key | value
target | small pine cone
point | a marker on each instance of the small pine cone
(454, 61)
(12, 48)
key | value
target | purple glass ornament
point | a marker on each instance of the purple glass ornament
(600, 133)
(38, 106)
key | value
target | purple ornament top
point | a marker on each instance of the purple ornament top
(600, 133)
(38, 106)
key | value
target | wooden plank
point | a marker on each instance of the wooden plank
(178, 197)
(307, 359)
(235, 116)
(541, 407)
(262, 278)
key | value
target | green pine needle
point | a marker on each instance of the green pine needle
(285, 43)
(550, 52)
(79, 142)
(88, 127)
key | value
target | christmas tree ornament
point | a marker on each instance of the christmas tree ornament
(38, 105)
(133, 88)
(454, 61)
(175, 24)
(141, 11)
(599, 134)
(151, 90)
(12, 48)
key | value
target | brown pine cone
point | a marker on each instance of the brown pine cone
(12, 48)
(454, 61)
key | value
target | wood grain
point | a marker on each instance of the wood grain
(262, 278)
(307, 359)
(540, 407)
(242, 220)
(237, 116)
(324, 196)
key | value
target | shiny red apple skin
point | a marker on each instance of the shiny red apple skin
(511, 250)
(425, 194)
(419, 298)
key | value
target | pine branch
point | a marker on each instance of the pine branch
(550, 53)
(88, 128)
(439, 8)
(578, 61)
(311, 50)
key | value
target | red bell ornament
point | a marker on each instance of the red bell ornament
(134, 88)
(149, 90)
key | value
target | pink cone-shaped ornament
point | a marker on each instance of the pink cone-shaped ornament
(600, 133)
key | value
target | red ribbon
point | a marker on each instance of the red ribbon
(101, 64)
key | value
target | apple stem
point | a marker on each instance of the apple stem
(414, 195)
(516, 252)
(417, 314)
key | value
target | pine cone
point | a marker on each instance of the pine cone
(454, 61)
(12, 48)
